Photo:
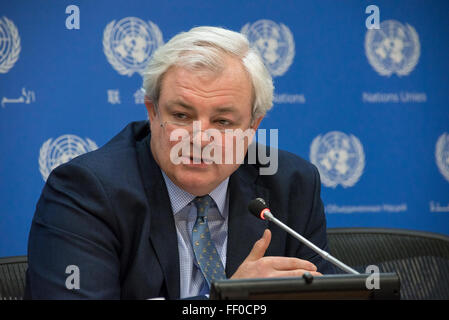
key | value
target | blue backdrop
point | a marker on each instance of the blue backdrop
(369, 107)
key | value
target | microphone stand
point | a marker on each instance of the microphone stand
(269, 216)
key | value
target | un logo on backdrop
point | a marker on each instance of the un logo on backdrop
(9, 44)
(62, 150)
(442, 155)
(129, 44)
(339, 158)
(274, 42)
(394, 48)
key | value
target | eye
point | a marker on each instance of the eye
(179, 116)
(224, 122)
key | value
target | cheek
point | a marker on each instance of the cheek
(234, 150)
(160, 145)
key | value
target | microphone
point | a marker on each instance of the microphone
(259, 208)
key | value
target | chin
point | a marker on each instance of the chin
(196, 183)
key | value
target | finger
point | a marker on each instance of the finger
(259, 248)
(285, 263)
(295, 273)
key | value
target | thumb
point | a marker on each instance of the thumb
(259, 248)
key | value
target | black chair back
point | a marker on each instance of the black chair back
(421, 259)
(12, 277)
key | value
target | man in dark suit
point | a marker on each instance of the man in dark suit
(142, 218)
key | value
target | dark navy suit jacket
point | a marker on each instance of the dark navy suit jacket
(108, 213)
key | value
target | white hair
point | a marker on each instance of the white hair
(201, 49)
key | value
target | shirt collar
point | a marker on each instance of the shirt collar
(180, 198)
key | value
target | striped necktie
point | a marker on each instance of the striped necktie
(205, 252)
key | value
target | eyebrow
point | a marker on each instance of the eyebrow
(220, 109)
(171, 103)
(226, 109)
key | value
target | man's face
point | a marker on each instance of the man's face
(222, 101)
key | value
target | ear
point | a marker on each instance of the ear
(151, 108)
(256, 123)
(254, 126)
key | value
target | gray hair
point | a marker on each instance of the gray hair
(201, 49)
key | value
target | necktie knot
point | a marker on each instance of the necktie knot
(202, 205)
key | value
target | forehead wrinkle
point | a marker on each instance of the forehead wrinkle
(203, 92)
(219, 109)
(204, 87)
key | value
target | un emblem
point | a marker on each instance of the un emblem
(129, 44)
(62, 150)
(274, 42)
(339, 158)
(442, 155)
(394, 48)
(9, 44)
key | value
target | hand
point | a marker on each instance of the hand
(258, 266)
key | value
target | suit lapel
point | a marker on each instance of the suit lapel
(162, 225)
(243, 228)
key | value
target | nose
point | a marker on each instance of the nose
(200, 136)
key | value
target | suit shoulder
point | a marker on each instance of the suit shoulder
(286, 170)
(113, 166)
(116, 155)
(291, 163)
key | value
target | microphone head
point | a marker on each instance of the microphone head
(257, 207)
